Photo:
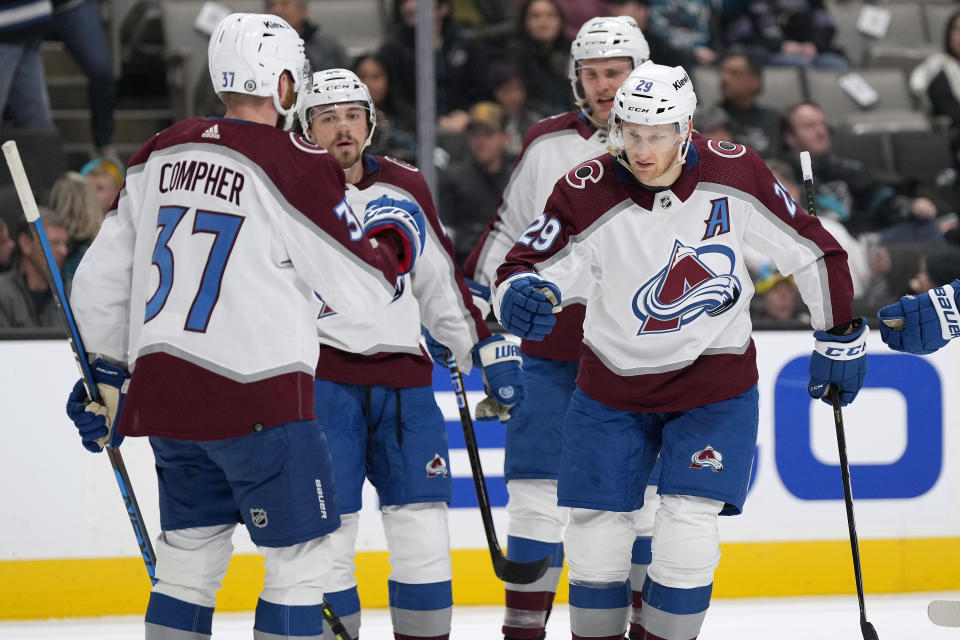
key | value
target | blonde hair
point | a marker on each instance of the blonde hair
(73, 199)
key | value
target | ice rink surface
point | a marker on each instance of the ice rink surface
(828, 618)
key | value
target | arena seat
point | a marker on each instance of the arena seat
(921, 155)
(873, 149)
(782, 87)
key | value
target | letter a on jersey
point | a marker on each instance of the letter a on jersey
(686, 288)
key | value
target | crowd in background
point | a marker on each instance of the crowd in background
(501, 65)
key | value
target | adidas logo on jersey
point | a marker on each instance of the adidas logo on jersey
(213, 132)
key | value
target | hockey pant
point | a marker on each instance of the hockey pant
(676, 590)
(191, 564)
(420, 591)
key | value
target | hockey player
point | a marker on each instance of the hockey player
(923, 323)
(650, 237)
(604, 52)
(200, 283)
(381, 418)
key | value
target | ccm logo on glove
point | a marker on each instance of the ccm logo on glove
(838, 353)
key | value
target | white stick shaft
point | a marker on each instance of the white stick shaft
(27, 201)
(806, 166)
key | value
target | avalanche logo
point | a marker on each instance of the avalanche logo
(687, 287)
(437, 467)
(707, 458)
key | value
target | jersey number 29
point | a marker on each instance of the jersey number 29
(224, 227)
(541, 234)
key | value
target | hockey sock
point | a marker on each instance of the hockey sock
(529, 604)
(346, 604)
(639, 562)
(671, 613)
(276, 621)
(421, 610)
(172, 619)
(598, 611)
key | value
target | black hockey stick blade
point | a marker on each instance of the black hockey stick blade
(944, 613)
(336, 626)
(519, 572)
(869, 633)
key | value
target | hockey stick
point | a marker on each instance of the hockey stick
(32, 214)
(944, 613)
(866, 628)
(507, 570)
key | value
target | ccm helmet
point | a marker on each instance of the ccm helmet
(653, 94)
(335, 86)
(605, 37)
(247, 54)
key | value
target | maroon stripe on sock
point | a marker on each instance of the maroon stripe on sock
(637, 600)
(642, 634)
(529, 600)
(613, 637)
(517, 633)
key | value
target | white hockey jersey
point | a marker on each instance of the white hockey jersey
(662, 274)
(202, 278)
(384, 348)
(552, 147)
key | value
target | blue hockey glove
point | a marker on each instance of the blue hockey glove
(924, 323)
(840, 361)
(96, 422)
(405, 218)
(481, 296)
(526, 311)
(500, 362)
(437, 351)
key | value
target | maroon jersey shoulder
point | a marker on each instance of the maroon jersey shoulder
(401, 175)
(730, 164)
(586, 192)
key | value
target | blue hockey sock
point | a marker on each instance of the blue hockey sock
(172, 619)
(346, 604)
(420, 610)
(529, 604)
(672, 613)
(274, 621)
(599, 611)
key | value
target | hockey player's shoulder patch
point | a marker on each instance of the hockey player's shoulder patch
(305, 145)
(726, 149)
(590, 171)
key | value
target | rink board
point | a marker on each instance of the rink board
(66, 548)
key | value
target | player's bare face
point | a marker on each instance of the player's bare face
(600, 79)
(652, 152)
(341, 129)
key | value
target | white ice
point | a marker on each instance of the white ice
(822, 618)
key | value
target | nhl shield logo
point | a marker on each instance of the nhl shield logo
(437, 467)
(708, 457)
(259, 517)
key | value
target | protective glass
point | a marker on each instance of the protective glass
(638, 138)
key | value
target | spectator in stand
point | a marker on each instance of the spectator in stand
(459, 61)
(105, 177)
(76, 203)
(713, 123)
(796, 33)
(661, 49)
(79, 27)
(506, 86)
(688, 25)
(936, 266)
(23, 89)
(490, 21)
(776, 297)
(395, 124)
(25, 298)
(741, 80)
(323, 51)
(470, 189)
(541, 51)
(938, 78)
(858, 198)
(7, 245)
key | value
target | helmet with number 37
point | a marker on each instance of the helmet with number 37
(248, 53)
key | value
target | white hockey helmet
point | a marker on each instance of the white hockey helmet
(605, 37)
(335, 86)
(248, 53)
(653, 94)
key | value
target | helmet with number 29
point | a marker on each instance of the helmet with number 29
(248, 53)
